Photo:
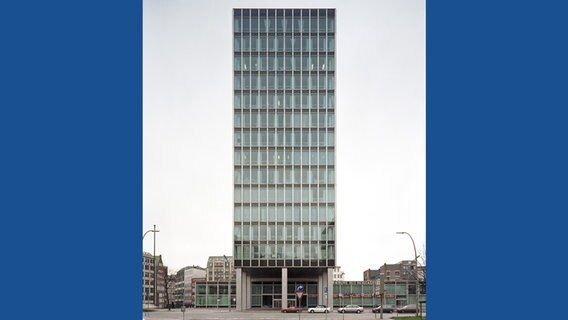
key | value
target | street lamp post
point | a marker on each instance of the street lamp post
(155, 264)
(416, 270)
(230, 280)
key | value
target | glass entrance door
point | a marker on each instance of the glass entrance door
(291, 302)
(277, 303)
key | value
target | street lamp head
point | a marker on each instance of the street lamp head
(151, 230)
(416, 261)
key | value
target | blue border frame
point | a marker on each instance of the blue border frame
(71, 173)
(496, 158)
(71, 164)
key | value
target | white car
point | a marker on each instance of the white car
(319, 308)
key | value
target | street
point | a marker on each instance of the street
(216, 314)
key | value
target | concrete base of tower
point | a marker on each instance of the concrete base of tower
(278, 288)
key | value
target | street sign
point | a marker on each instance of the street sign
(299, 291)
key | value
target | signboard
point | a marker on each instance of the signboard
(299, 291)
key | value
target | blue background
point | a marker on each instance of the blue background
(71, 159)
(71, 171)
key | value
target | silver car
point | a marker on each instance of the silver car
(350, 308)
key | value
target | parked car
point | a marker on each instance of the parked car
(409, 308)
(319, 308)
(291, 310)
(387, 309)
(350, 308)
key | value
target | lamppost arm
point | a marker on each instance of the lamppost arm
(417, 279)
(155, 264)
(413, 246)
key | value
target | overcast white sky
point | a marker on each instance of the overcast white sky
(380, 131)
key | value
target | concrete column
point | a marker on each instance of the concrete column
(321, 284)
(248, 292)
(330, 288)
(239, 294)
(284, 288)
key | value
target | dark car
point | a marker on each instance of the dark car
(291, 310)
(409, 308)
(387, 309)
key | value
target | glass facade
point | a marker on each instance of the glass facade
(284, 137)
(214, 294)
(367, 293)
(267, 294)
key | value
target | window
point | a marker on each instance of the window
(238, 236)
(314, 23)
(237, 63)
(331, 44)
(331, 82)
(237, 24)
(331, 63)
(296, 66)
(263, 43)
(255, 44)
(305, 43)
(237, 139)
(272, 43)
(237, 43)
(305, 64)
(288, 44)
(238, 82)
(254, 23)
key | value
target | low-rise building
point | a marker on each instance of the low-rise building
(338, 275)
(153, 280)
(403, 270)
(183, 293)
(220, 268)
(368, 294)
(216, 294)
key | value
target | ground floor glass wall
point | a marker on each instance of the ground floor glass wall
(268, 294)
(367, 294)
(214, 295)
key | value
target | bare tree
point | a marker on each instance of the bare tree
(420, 271)
(170, 282)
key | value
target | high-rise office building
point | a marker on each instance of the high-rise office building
(284, 156)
